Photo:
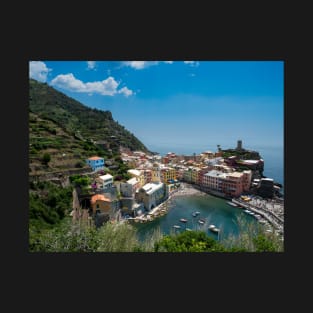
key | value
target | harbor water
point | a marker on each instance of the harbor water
(212, 209)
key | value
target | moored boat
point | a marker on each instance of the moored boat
(183, 220)
(176, 226)
(215, 230)
(232, 203)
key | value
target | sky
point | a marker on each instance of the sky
(180, 106)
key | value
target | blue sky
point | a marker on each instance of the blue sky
(179, 105)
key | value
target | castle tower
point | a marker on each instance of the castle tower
(239, 145)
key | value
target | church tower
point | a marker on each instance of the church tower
(156, 173)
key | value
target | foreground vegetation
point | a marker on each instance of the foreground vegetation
(122, 237)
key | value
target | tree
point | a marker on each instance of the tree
(193, 241)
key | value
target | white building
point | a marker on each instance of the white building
(128, 189)
(151, 195)
(105, 181)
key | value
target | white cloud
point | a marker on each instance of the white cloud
(91, 65)
(38, 70)
(107, 87)
(139, 65)
(192, 63)
(125, 91)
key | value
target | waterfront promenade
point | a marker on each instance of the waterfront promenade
(270, 210)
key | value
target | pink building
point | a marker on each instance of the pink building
(231, 184)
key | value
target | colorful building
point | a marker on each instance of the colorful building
(105, 181)
(156, 173)
(100, 204)
(247, 177)
(96, 163)
(139, 175)
(147, 174)
(167, 174)
(129, 188)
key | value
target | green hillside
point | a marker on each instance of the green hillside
(78, 119)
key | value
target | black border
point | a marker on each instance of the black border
(224, 39)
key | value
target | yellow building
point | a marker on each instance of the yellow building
(195, 175)
(139, 175)
(167, 174)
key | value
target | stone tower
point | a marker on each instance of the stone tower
(239, 145)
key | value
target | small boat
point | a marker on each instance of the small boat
(188, 229)
(176, 226)
(183, 220)
(232, 203)
(247, 211)
(197, 212)
(215, 230)
(201, 221)
(194, 214)
(211, 226)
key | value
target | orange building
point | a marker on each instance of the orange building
(100, 204)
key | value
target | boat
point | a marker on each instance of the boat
(197, 212)
(188, 229)
(211, 226)
(194, 214)
(232, 203)
(215, 230)
(176, 226)
(201, 221)
(183, 220)
(247, 211)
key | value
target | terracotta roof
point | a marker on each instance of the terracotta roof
(95, 158)
(94, 198)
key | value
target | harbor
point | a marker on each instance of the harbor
(197, 211)
(188, 208)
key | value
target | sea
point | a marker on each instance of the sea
(214, 210)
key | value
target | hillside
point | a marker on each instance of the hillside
(77, 119)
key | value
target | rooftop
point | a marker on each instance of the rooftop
(152, 187)
(215, 173)
(106, 177)
(100, 197)
(132, 181)
(134, 172)
(95, 158)
(250, 161)
(235, 174)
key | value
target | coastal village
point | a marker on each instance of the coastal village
(156, 179)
